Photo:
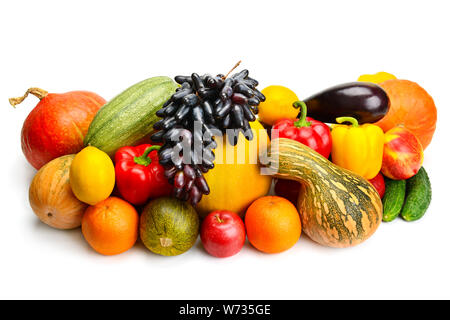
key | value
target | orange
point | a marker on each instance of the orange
(278, 105)
(273, 224)
(111, 226)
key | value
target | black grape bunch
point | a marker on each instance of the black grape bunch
(199, 109)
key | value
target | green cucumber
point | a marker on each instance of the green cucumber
(129, 117)
(393, 199)
(418, 196)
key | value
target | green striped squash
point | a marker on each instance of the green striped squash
(338, 208)
(129, 117)
(169, 226)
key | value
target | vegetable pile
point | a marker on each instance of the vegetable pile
(169, 160)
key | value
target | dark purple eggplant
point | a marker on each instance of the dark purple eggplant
(365, 101)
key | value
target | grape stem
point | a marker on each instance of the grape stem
(232, 69)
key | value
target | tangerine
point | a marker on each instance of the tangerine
(273, 224)
(111, 226)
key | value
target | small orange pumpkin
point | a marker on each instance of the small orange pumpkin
(51, 197)
(411, 107)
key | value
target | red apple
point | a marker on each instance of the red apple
(222, 233)
(57, 125)
(378, 184)
(403, 154)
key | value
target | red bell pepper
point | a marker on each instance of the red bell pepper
(379, 184)
(310, 132)
(139, 176)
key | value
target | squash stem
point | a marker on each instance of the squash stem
(303, 111)
(37, 92)
(352, 120)
(144, 159)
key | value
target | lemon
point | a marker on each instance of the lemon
(92, 175)
(278, 105)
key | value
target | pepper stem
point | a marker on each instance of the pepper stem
(144, 159)
(303, 111)
(352, 120)
(39, 93)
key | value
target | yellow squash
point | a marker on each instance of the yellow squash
(235, 182)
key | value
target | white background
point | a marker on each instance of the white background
(106, 46)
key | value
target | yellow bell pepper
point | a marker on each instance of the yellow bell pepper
(378, 77)
(358, 148)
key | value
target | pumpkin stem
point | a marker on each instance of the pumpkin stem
(144, 159)
(303, 111)
(235, 66)
(352, 120)
(39, 93)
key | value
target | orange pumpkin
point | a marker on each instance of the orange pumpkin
(411, 107)
(51, 197)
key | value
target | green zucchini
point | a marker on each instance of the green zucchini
(393, 199)
(418, 196)
(129, 117)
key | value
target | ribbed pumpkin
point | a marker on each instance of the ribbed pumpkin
(234, 186)
(338, 208)
(51, 197)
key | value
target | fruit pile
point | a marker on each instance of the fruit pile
(202, 106)
(166, 161)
